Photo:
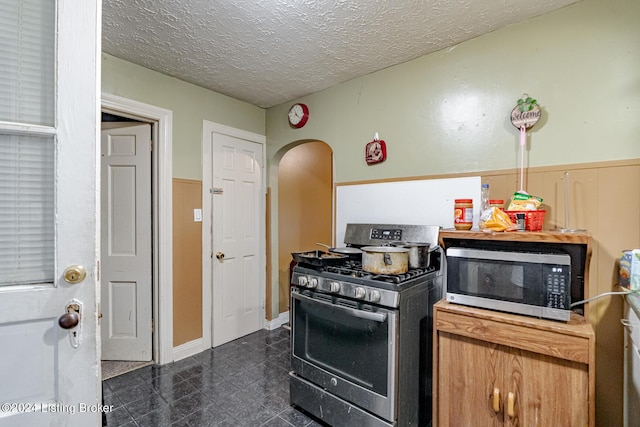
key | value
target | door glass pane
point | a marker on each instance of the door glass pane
(26, 209)
(27, 53)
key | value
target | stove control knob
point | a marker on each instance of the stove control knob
(374, 296)
(360, 293)
(302, 281)
(313, 283)
(334, 287)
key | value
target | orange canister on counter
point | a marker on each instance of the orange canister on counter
(496, 203)
(463, 214)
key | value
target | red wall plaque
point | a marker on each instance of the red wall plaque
(375, 151)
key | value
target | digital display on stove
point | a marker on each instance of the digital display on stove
(383, 234)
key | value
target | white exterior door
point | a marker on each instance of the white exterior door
(126, 242)
(237, 207)
(49, 106)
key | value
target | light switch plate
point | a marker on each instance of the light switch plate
(197, 215)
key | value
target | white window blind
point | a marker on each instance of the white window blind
(27, 53)
(26, 209)
(27, 153)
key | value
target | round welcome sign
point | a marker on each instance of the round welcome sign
(524, 116)
(526, 113)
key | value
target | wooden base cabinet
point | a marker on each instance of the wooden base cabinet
(497, 369)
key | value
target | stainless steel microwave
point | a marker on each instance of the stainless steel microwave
(533, 284)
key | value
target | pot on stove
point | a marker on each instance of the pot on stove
(419, 253)
(385, 260)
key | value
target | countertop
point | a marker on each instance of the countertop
(545, 236)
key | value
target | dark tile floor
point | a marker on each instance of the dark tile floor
(241, 383)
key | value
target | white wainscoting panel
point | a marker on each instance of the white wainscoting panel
(420, 202)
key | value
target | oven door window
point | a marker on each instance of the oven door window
(333, 337)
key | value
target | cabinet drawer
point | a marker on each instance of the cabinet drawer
(532, 335)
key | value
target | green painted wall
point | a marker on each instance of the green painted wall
(448, 112)
(190, 104)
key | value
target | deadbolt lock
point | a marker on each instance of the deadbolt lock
(75, 274)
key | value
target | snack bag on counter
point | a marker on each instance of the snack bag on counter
(629, 276)
(524, 202)
(494, 219)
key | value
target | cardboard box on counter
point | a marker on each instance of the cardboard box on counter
(629, 276)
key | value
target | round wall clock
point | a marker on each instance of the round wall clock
(298, 115)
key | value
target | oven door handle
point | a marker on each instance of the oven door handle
(367, 315)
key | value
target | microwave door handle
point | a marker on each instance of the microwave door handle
(367, 315)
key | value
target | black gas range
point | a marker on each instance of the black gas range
(361, 343)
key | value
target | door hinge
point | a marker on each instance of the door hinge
(150, 145)
(97, 270)
(153, 326)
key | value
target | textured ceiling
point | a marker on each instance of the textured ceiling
(267, 52)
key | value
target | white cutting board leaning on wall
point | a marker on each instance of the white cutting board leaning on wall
(419, 202)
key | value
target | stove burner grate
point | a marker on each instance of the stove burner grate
(354, 269)
(403, 277)
(349, 268)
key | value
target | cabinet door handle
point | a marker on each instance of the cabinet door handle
(496, 400)
(511, 405)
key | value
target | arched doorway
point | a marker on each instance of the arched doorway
(305, 206)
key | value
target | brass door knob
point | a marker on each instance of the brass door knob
(74, 274)
(220, 255)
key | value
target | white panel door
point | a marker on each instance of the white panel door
(50, 376)
(237, 264)
(126, 243)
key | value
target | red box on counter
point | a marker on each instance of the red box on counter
(533, 220)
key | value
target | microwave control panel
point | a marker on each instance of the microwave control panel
(557, 286)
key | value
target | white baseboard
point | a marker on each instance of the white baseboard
(196, 346)
(277, 322)
(188, 349)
